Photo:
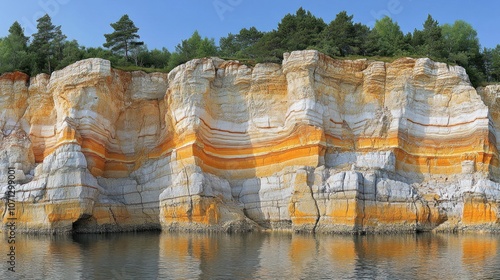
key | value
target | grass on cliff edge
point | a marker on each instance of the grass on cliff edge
(245, 61)
(252, 62)
(138, 68)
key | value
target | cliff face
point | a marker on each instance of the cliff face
(314, 144)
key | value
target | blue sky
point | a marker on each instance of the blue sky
(164, 23)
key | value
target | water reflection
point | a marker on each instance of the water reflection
(254, 256)
(478, 255)
(205, 256)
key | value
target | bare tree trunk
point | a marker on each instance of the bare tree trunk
(126, 50)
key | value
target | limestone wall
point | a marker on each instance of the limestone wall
(314, 144)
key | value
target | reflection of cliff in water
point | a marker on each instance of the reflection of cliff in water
(256, 256)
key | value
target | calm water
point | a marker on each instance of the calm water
(254, 256)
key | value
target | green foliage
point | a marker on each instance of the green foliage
(194, 47)
(268, 49)
(131, 68)
(14, 50)
(242, 44)
(492, 63)
(429, 41)
(122, 40)
(47, 46)
(229, 46)
(338, 37)
(155, 58)
(343, 38)
(460, 37)
(137, 54)
(206, 48)
(71, 52)
(455, 43)
(300, 31)
(101, 53)
(462, 46)
(388, 36)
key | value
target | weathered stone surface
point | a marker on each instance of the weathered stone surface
(315, 144)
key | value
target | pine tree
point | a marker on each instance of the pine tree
(17, 31)
(13, 50)
(299, 31)
(47, 45)
(123, 38)
(429, 41)
(240, 45)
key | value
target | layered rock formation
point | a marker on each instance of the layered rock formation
(314, 144)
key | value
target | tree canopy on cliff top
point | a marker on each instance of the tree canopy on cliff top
(123, 38)
(47, 45)
(455, 43)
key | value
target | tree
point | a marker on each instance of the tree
(99, 52)
(194, 47)
(429, 41)
(360, 39)
(342, 37)
(229, 45)
(47, 45)
(463, 48)
(389, 37)
(300, 31)
(155, 58)
(72, 52)
(338, 35)
(249, 37)
(295, 32)
(240, 45)
(14, 50)
(206, 48)
(460, 37)
(492, 63)
(268, 49)
(123, 38)
(137, 53)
